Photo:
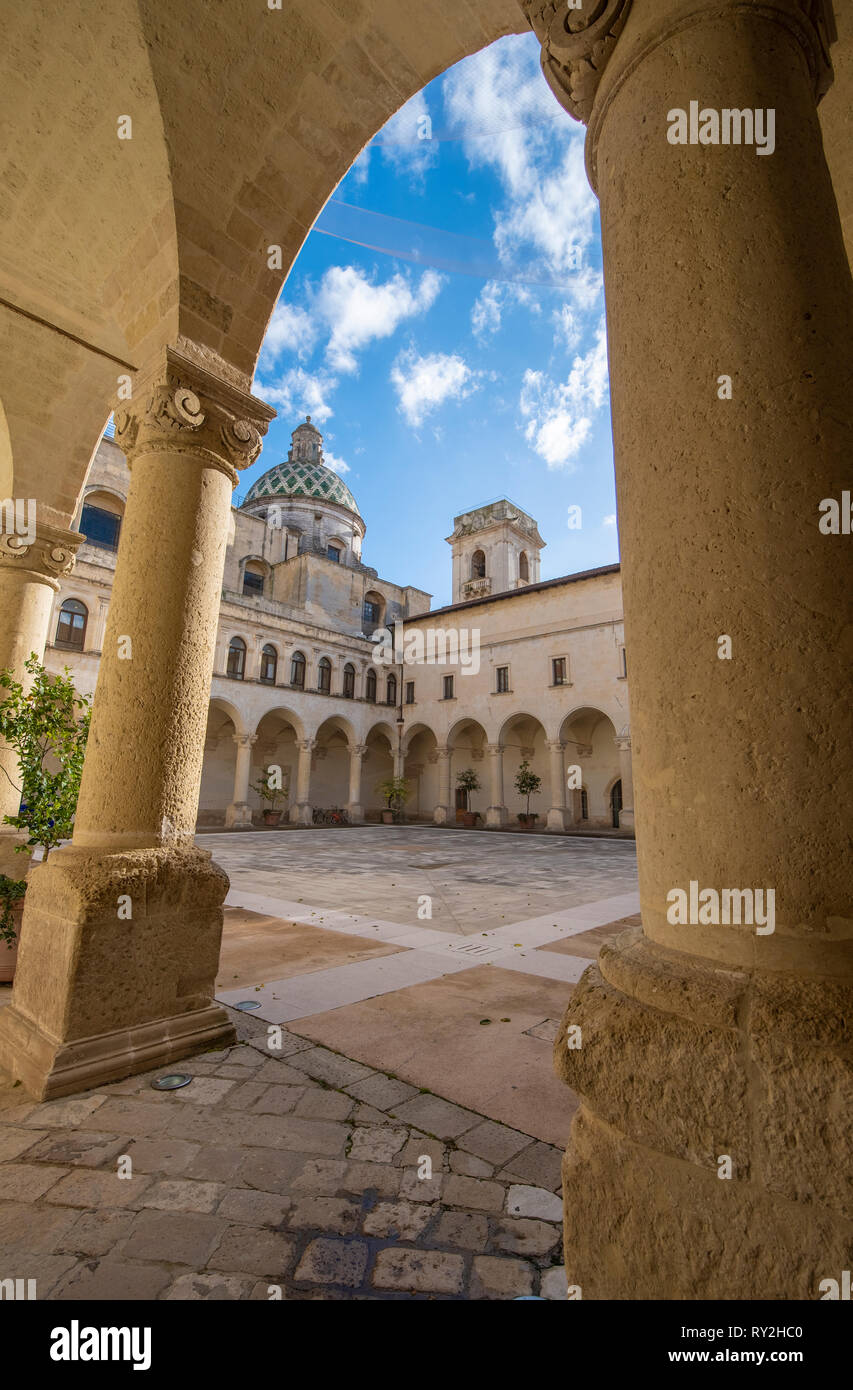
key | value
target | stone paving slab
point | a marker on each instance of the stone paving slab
(365, 1192)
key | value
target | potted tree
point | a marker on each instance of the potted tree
(527, 783)
(394, 791)
(271, 794)
(46, 726)
(467, 782)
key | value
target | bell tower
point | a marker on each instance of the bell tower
(496, 548)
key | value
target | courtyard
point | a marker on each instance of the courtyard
(401, 1137)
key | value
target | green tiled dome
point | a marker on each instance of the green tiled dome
(298, 478)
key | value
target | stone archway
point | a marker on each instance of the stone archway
(523, 739)
(380, 764)
(334, 743)
(221, 744)
(591, 765)
(279, 741)
(466, 749)
(420, 748)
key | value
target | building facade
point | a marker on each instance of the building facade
(341, 680)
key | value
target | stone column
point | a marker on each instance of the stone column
(356, 761)
(31, 565)
(557, 815)
(121, 930)
(496, 813)
(626, 773)
(730, 318)
(240, 812)
(443, 811)
(302, 812)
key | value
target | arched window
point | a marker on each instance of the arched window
(370, 686)
(269, 664)
(71, 628)
(324, 675)
(478, 565)
(523, 567)
(297, 670)
(236, 658)
(372, 611)
(349, 682)
(391, 691)
(253, 578)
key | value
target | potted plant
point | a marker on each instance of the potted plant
(527, 783)
(271, 794)
(467, 782)
(46, 725)
(394, 791)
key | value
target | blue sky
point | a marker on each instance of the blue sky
(465, 359)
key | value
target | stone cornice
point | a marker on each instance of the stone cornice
(49, 556)
(188, 409)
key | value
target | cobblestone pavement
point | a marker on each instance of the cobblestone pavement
(299, 1169)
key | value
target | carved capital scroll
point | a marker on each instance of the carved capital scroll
(576, 44)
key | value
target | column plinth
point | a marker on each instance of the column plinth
(355, 810)
(302, 812)
(121, 930)
(721, 264)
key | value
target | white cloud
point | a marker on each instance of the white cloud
(424, 383)
(559, 415)
(357, 311)
(406, 140)
(511, 123)
(337, 465)
(494, 297)
(298, 392)
(290, 329)
(609, 520)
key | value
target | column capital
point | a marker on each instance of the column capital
(494, 749)
(576, 44)
(623, 743)
(358, 750)
(306, 745)
(444, 751)
(555, 745)
(245, 740)
(43, 552)
(183, 407)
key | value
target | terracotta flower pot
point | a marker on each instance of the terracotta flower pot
(9, 954)
(387, 817)
(527, 822)
(272, 817)
(469, 817)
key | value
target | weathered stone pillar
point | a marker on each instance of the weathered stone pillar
(626, 774)
(121, 930)
(443, 811)
(30, 568)
(730, 318)
(557, 815)
(355, 809)
(496, 813)
(240, 812)
(302, 812)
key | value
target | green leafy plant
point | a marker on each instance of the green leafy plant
(468, 782)
(46, 726)
(527, 783)
(394, 792)
(268, 793)
(11, 891)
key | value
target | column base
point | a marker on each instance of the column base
(47, 1068)
(302, 814)
(355, 813)
(116, 966)
(558, 820)
(626, 821)
(496, 817)
(237, 814)
(441, 815)
(683, 1064)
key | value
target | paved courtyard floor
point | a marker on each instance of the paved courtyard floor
(403, 1142)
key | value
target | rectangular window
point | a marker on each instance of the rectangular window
(448, 688)
(502, 680)
(371, 611)
(584, 804)
(558, 666)
(333, 553)
(252, 583)
(410, 692)
(100, 527)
